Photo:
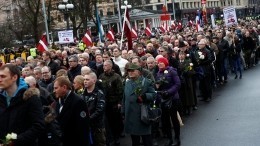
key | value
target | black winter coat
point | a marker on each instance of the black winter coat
(74, 121)
(73, 72)
(23, 117)
(96, 106)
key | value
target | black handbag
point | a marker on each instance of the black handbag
(167, 104)
(150, 114)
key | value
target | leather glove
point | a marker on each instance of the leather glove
(165, 94)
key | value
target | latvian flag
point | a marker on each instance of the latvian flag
(128, 30)
(87, 39)
(164, 27)
(43, 43)
(148, 31)
(134, 33)
(110, 35)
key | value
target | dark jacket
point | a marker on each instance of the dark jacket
(54, 67)
(113, 87)
(24, 116)
(96, 107)
(44, 83)
(169, 81)
(249, 43)
(223, 47)
(115, 67)
(74, 121)
(73, 72)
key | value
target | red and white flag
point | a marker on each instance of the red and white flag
(134, 33)
(164, 27)
(179, 27)
(43, 43)
(110, 35)
(87, 39)
(173, 25)
(190, 23)
(148, 31)
(128, 30)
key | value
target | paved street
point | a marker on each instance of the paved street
(232, 118)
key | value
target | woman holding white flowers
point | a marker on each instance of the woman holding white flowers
(168, 85)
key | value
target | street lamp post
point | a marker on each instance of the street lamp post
(65, 7)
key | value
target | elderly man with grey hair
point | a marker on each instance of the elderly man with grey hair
(44, 94)
(74, 67)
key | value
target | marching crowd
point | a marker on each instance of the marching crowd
(73, 97)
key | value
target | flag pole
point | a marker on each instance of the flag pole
(122, 35)
(45, 20)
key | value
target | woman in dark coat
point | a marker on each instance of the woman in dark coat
(168, 85)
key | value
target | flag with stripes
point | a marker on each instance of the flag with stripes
(43, 43)
(87, 39)
(134, 33)
(110, 35)
(148, 31)
(128, 29)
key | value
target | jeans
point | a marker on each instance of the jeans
(237, 65)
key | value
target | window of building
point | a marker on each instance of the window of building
(195, 6)
(187, 5)
(191, 5)
(199, 5)
(59, 18)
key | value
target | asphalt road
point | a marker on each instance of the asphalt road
(232, 118)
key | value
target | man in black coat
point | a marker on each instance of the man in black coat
(75, 67)
(54, 66)
(107, 56)
(72, 114)
(19, 113)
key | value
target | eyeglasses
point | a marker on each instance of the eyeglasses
(72, 61)
(130, 70)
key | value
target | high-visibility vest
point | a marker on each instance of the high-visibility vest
(33, 52)
(81, 46)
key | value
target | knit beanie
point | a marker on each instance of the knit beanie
(164, 61)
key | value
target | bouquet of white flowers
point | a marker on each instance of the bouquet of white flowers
(8, 139)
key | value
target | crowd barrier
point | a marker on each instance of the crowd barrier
(7, 57)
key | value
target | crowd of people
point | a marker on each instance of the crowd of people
(93, 97)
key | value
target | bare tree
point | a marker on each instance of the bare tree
(30, 12)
